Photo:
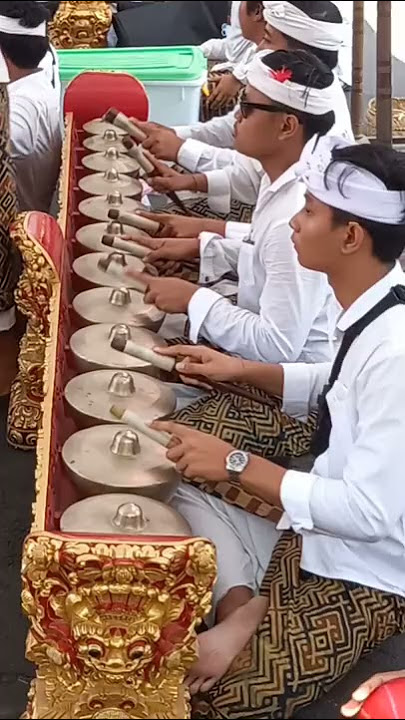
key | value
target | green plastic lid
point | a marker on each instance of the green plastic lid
(163, 64)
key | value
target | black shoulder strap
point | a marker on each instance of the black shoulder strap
(321, 438)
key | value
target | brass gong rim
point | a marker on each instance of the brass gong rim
(99, 185)
(98, 162)
(94, 307)
(97, 144)
(102, 460)
(106, 505)
(98, 126)
(86, 269)
(91, 349)
(90, 236)
(98, 207)
(90, 396)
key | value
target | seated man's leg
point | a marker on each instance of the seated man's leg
(244, 544)
(314, 632)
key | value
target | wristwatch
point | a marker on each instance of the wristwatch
(236, 463)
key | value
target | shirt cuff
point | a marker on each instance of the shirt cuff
(296, 491)
(198, 309)
(238, 230)
(297, 390)
(184, 132)
(190, 153)
(219, 191)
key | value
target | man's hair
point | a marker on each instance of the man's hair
(253, 6)
(24, 51)
(388, 166)
(324, 11)
(308, 71)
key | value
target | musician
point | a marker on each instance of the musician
(335, 587)
(34, 110)
(220, 172)
(281, 313)
(359, 697)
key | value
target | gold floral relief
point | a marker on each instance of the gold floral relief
(113, 625)
(35, 295)
(81, 25)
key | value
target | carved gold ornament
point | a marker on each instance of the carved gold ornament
(81, 25)
(113, 626)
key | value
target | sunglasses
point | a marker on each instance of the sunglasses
(246, 108)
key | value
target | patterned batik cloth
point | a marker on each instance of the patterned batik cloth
(9, 260)
(207, 113)
(315, 632)
(261, 428)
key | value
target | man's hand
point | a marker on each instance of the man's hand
(161, 141)
(204, 362)
(195, 454)
(226, 89)
(168, 180)
(352, 708)
(170, 295)
(170, 249)
(180, 226)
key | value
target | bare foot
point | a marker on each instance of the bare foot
(219, 647)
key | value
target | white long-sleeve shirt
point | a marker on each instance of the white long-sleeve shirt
(232, 176)
(351, 509)
(282, 312)
(234, 50)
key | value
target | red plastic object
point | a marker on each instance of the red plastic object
(388, 702)
(91, 94)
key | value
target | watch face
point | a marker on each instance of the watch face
(237, 462)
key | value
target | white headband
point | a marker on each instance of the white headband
(349, 188)
(12, 26)
(277, 86)
(291, 21)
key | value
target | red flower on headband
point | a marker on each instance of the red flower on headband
(282, 75)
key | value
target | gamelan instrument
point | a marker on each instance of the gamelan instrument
(111, 181)
(123, 515)
(115, 459)
(114, 584)
(90, 397)
(111, 159)
(92, 349)
(94, 269)
(98, 208)
(100, 126)
(101, 143)
(116, 306)
(90, 237)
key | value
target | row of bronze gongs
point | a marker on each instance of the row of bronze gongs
(125, 475)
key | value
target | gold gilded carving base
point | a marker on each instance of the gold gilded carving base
(113, 626)
(81, 25)
(35, 296)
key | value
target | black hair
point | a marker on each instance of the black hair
(387, 165)
(252, 6)
(324, 11)
(308, 71)
(24, 51)
(52, 7)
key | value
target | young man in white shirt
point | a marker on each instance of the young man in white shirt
(335, 587)
(281, 314)
(220, 172)
(35, 131)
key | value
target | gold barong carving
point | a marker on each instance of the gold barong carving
(81, 25)
(113, 625)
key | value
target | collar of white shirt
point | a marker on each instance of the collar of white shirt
(371, 298)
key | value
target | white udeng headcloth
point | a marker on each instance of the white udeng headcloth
(349, 188)
(277, 86)
(12, 26)
(291, 21)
